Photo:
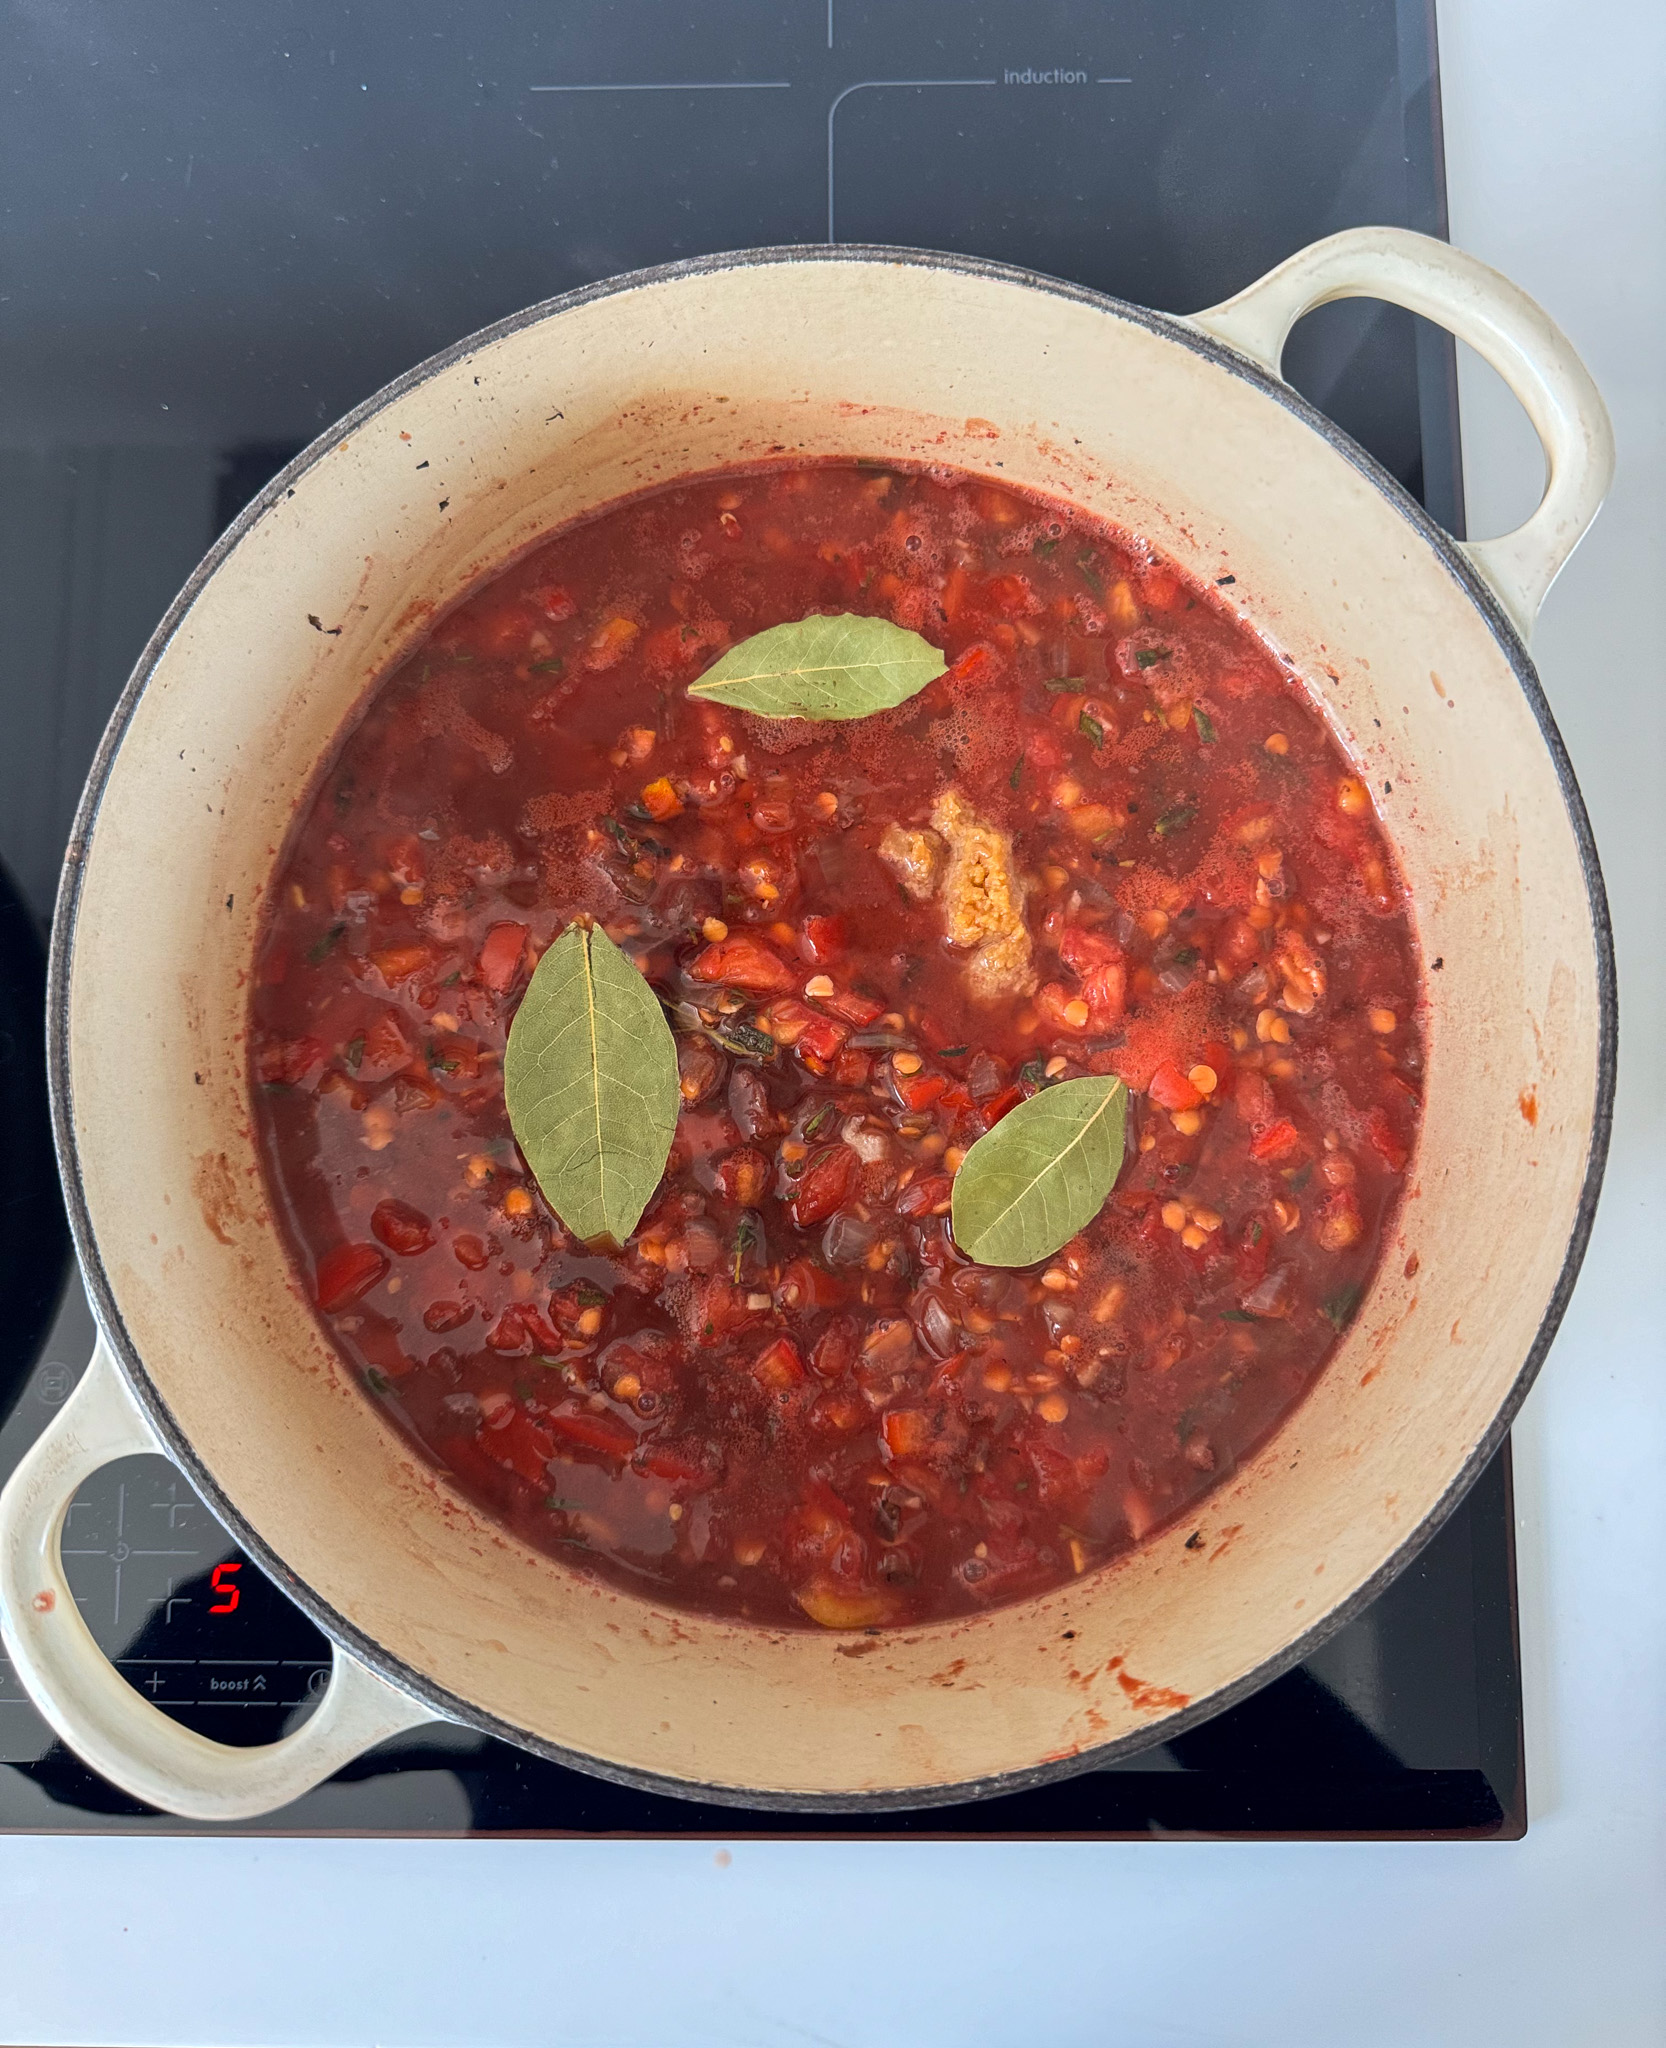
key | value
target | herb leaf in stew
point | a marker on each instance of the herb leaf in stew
(590, 1079)
(842, 667)
(1042, 1174)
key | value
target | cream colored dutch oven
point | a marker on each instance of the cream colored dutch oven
(1178, 429)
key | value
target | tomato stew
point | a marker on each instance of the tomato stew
(1115, 838)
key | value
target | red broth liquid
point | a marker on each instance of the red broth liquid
(789, 1398)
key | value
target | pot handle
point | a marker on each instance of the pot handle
(1504, 326)
(91, 1706)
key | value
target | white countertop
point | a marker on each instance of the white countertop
(1556, 153)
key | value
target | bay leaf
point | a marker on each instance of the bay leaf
(1026, 1187)
(590, 1079)
(841, 667)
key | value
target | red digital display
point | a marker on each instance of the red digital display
(221, 1580)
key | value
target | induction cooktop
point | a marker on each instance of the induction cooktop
(226, 228)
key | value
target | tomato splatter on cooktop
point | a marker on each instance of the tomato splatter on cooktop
(1115, 838)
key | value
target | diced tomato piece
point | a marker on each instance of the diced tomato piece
(440, 1316)
(907, 1432)
(1062, 1011)
(1277, 1141)
(744, 1177)
(719, 1309)
(743, 961)
(508, 1333)
(845, 1413)
(396, 964)
(500, 956)
(852, 1069)
(591, 1431)
(384, 1049)
(538, 1327)
(827, 1182)
(806, 1285)
(778, 1365)
(927, 1197)
(787, 1019)
(401, 1228)
(852, 1008)
(610, 642)
(405, 861)
(821, 1038)
(346, 1273)
(523, 1446)
(1387, 1142)
(1170, 1088)
(1055, 1473)
(661, 801)
(824, 939)
(288, 1061)
(553, 601)
(1098, 964)
(837, 1348)
(505, 631)
(1009, 594)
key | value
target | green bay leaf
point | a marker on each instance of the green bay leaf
(590, 1079)
(843, 667)
(1042, 1173)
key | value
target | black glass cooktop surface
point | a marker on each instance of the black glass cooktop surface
(225, 226)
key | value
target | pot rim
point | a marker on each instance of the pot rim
(344, 1633)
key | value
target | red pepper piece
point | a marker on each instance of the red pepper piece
(1277, 1141)
(907, 1432)
(401, 1228)
(523, 1446)
(1387, 1142)
(920, 1091)
(854, 1009)
(1171, 1089)
(779, 1366)
(824, 939)
(821, 1038)
(826, 1183)
(603, 1433)
(348, 1272)
(500, 956)
(998, 1105)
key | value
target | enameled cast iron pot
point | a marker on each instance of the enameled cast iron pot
(1180, 430)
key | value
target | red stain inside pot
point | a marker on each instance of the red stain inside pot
(789, 1398)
